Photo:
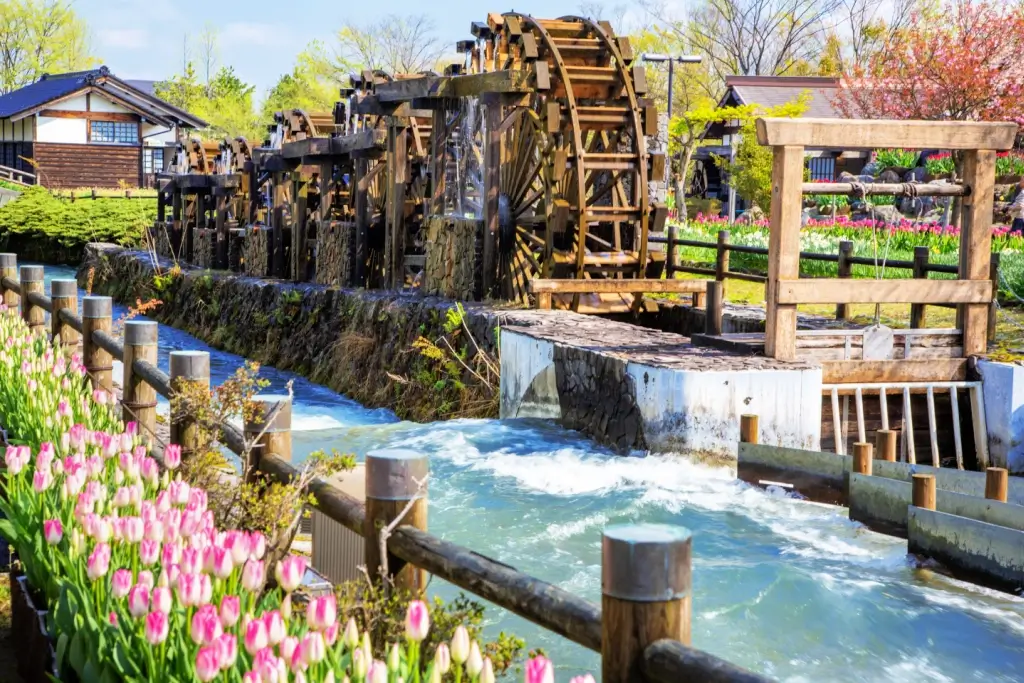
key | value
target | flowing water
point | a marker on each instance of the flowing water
(785, 587)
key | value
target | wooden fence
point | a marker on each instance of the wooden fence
(920, 268)
(13, 175)
(641, 629)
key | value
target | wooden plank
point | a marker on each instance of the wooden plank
(492, 189)
(784, 249)
(452, 87)
(91, 115)
(837, 291)
(881, 133)
(858, 371)
(609, 286)
(976, 244)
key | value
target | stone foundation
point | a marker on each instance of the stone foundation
(159, 236)
(453, 257)
(204, 245)
(336, 250)
(255, 252)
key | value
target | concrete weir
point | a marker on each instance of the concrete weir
(637, 388)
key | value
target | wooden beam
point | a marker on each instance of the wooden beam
(880, 133)
(836, 291)
(492, 187)
(864, 371)
(120, 117)
(784, 249)
(976, 245)
(451, 87)
(609, 286)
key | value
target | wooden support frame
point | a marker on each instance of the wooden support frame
(494, 113)
(362, 221)
(784, 249)
(907, 291)
(880, 133)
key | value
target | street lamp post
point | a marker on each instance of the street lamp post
(658, 58)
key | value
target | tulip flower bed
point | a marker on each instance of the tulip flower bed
(893, 242)
(141, 584)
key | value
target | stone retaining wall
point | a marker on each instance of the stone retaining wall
(335, 255)
(452, 257)
(204, 244)
(255, 252)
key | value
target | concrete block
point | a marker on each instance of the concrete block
(983, 552)
(1003, 393)
(528, 381)
(948, 479)
(829, 466)
(879, 502)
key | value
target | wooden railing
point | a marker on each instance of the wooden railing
(13, 175)
(643, 623)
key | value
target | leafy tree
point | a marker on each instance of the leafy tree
(312, 85)
(395, 44)
(38, 37)
(961, 63)
(751, 172)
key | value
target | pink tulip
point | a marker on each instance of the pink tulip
(172, 456)
(134, 529)
(149, 552)
(230, 610)
(227, 646)
(256, 637)
(53, 531)
(145, 578)
(322, 612)
(13, 460)
(539, 670)
(222, 562)
(42, 480)
(99, 396)
(205, 589)
(122, 498)
(276, 628)
(290, 571)
(161, 599)
(487, 673)
(121, 583)
(586, 678)
(207, 663)
(442, 659)
(149, 471)
(238, 543)
(460, 645)
(257, 545)
(313, 648)
(251, 677)
(138, 601)
(155, 530)
(378, 673)
(417, 621)
(163, 502)
(191, 561)
(157, 627)
(253, 575)
(190, 589)
(179, 491)
(98, 562)
(206, 627)
(112, 618)
(171, 553)
(125, 442)
(331, 633)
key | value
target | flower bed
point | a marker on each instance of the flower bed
(141, 583)
(887, 242)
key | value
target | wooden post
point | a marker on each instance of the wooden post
(976, 243)
(993, 271)
(278, 263)
(191, 370)
(64, 295)
(139, 398)
(396, 199)
(997, 484)
(161, 206)
(722, 256)
(784, 249)
(362, 222)
(221, 225)
(646, 594)
(543, 300)
(9, 268)
(176, 234)
(862, 458)
(923, 492)
(749, 429)
(886, 444)
(394, 478)
(492, 188)
(96, 315)
(845, 271)
(917, 311)
(670, 248)
(269, 432)
(713, 310)
(300, 202)
(33, 315)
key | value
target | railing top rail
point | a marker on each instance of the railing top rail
(881, 133)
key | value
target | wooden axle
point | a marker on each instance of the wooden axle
(898, 189)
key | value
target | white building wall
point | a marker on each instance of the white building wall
(155, 135)
(100, 103)
(76, 103)
(16, 131)
(61, 130)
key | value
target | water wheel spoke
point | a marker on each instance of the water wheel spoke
(526, 234)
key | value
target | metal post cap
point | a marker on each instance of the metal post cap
(190, 365)
(266, 420)
(140, 333)
(97, 307)
(395, 473)
(31, 274)
(64, 288)
(8, 260)
(646, 562)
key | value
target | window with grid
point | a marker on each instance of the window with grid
(153, 160)
(119, 132)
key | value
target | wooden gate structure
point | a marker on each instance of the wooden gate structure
(534, 151)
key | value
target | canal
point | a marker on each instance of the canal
(786, 587)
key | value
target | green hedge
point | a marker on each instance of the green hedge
(40, 227)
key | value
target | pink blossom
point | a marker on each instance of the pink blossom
(257, 545)
(53, 531)
(98, 562)
(256, 637)
(145, 578)
(417, 621)
(99, 396)
(290, 571)
(207, 663)
(322, 612)
(378, 673)
(539, 670)
(121, 583)
(172, 456)
(161, 599)
(276, 629)
(134, 529)
(222, 563)
(230, 609)
(227, 646)
(313, 648)
(138, 601)
(157, 627)
(149, 552)
(42, 480)
(206, 626)
(190, 589)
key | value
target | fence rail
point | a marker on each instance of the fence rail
(13, 175)
(644, 641)
(845, 260)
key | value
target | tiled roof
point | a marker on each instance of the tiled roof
(771, 91)
(137, 94)
(147, 87)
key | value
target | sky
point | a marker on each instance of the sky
(260, 38)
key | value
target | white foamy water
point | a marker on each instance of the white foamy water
(785, 587)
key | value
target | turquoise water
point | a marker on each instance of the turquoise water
(785, 587)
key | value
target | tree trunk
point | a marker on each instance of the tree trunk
(686, 156)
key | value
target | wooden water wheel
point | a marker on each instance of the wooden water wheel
(574, 198)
